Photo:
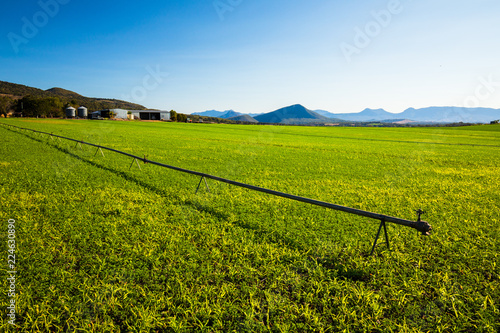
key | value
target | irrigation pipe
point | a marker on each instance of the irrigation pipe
(422, 226)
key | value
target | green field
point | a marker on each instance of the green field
(101, 247)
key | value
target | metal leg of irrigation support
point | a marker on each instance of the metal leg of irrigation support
(99, 150)
(206, 184)
(135, 160)
(382, 224)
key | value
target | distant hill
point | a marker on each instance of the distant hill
(325, 113)
(254, 114)
(210, 113)
(218, 114)
(230, 114)
(451, 114)
(18, 90)
(291, 114)
(367, 115)
(244, 118)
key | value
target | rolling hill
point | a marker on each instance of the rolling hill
(16, 91)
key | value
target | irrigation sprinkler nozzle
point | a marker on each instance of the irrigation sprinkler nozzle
(424, 227)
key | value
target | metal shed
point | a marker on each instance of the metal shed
(151, 114)
(119, 113)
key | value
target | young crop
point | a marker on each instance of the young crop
(102, 246)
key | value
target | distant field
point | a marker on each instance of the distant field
(102, 247)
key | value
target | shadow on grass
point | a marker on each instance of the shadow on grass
(175, 198)
(343, 272)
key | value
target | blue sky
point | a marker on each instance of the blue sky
(255, 56)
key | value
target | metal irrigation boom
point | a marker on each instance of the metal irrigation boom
(422, 226)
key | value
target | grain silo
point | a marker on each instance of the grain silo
(70, 112)
(82, 112)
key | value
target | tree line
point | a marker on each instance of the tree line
(6, 105)
(33, 106)
(184, 118)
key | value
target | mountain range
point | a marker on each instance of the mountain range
(298, 114)
(446, 114)
(294, 114)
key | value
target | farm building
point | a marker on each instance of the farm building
(119, 113)
(134, 114)
(95, 115)
(151, 114)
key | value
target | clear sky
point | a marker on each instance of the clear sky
(255, 56)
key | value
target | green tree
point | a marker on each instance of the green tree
(173, 115)
(28, 106)
(32, 106)
(51, 107)
(6, 105)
